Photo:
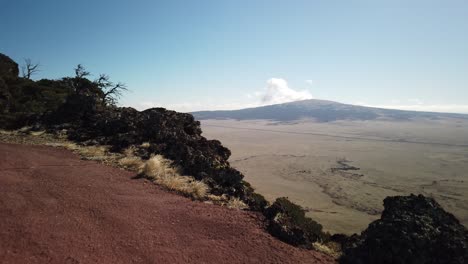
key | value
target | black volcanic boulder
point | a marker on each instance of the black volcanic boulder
(412, 229)
(5, 97)
(175, 135)
(8, 67)
(8, 70)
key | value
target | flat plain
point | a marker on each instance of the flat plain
(341, 171)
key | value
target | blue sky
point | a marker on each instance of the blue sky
(223, 54)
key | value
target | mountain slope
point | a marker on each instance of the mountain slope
(321, 111)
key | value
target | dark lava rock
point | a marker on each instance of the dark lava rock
(5, 97)
(175, 135)
(412, 229)
(287, 221)
(8, 67)
(8, 70)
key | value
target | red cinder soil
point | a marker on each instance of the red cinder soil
(56, 208)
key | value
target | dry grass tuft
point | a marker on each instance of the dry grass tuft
(198, 189)
(6, 132)
(161, 171)
(145, 145)
(157, 167)
(92, 151)
(218, 199)
(236, 203)
(98, 153)
(130, 151)
(328, 249)
(24, 129)
(131, 163)
(67, 145)
(37, 133)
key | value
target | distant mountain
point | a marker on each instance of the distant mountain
(321, 111)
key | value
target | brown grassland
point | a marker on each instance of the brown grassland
(310, 163)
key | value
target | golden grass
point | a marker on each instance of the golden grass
(218, 199)
(98, 153)
(198, 189)
(161, 171)
(327, 248)
(236, 203)
(92, 151)
(131, 163)
(37, 133)
(24, 129)
(145, 145)
(130, 151)
(157, 167)
(67, 145)
(6, 132)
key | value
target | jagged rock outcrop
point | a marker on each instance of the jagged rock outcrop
(8, 67)
(5, 97)
(412, 229)
(8, 70)
(175, 135)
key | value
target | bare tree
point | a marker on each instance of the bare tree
(80, 71)
(111, 92)
(29, 68)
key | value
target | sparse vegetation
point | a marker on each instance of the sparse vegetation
(217, 199)
(236, 203)
(157, 167)
(329, 248)
(161, 171)
(131, 163)
(288, 222)
(145, 145)
(256, 201)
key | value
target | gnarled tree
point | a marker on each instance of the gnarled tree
(29, 68)
(111, 91)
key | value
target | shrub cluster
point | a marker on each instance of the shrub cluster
(287, 221)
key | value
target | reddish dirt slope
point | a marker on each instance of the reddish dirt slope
(56, 208)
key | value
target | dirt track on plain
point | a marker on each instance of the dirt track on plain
(56, 208)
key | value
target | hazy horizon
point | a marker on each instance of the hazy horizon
(417, 108)
(220, 55)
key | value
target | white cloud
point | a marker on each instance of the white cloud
(309, 82)
(278, 92)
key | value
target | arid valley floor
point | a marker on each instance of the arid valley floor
(341, 171)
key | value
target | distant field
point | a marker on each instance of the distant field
(312, 164)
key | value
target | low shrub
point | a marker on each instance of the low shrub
(287, 221)
(256, 202)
